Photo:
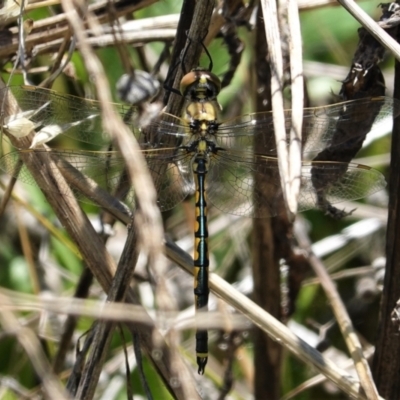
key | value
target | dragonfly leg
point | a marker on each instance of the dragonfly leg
(334, 212)
(324, 179)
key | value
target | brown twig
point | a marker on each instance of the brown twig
(342, 317)
(148, 220)
(104, 330)
(52, 30)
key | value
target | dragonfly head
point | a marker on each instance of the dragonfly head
(200, 85)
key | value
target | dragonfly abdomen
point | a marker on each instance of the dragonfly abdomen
(201, 258)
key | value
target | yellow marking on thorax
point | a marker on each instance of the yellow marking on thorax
(202, 146)
(202, 111)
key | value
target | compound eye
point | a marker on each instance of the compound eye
(188, 80)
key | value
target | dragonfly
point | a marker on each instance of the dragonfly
(221, 162)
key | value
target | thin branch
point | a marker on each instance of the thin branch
(33, 348)
(342, 317)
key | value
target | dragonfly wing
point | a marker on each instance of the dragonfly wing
(240, 184)
(345, 126)
(169, 131)
(250, 186)
(336, 126)
(87, 172)
(91, 174)
(325, 183)
(53, 113)
(172, 175)
(243, 132)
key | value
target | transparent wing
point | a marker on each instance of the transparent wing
(323, 127)
(234, 184)
(50, 113)
(168, 131)
(324, 183)
(250, 186)
(171, 173)
(53, 113)
(236, 178)
(237, 183)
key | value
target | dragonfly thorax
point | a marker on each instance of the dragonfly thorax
(202, 147)
(202, 118)
(203, 127)
(207, 111)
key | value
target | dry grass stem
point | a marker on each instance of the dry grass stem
(272, 31)
(342, 317)
(29, 341)
(318, 379)
(48, 34)
(297, 91)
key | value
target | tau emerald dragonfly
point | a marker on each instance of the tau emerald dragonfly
(217, 161)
